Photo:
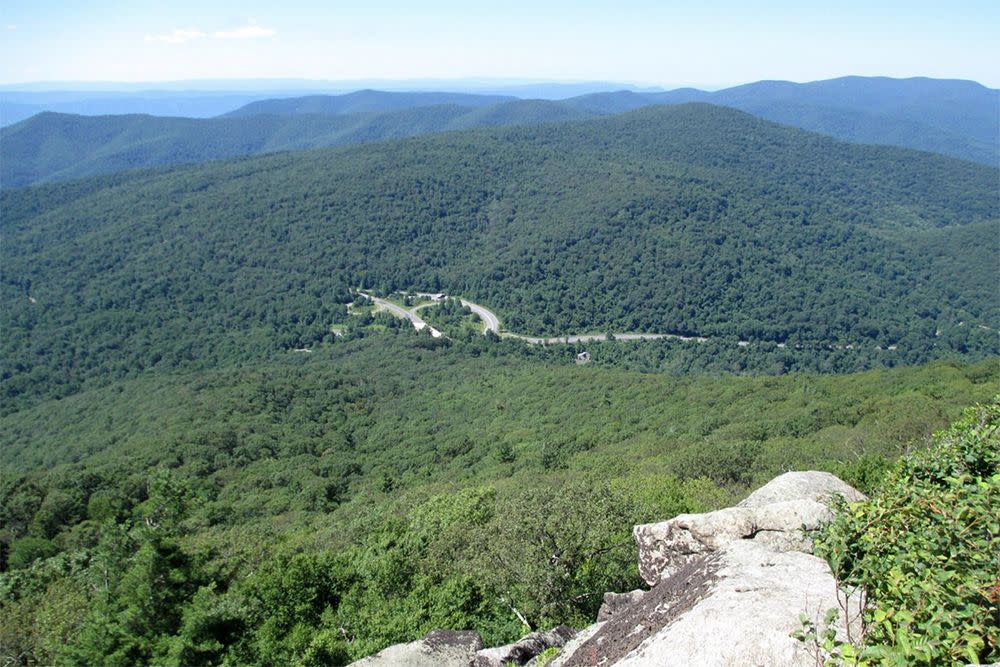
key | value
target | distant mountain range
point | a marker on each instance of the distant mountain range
(955, 118)
(363, 101)
(207, 99)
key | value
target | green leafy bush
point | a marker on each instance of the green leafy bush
(926, 550)
(27, 550)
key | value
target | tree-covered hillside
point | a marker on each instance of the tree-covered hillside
(56, 147)
(691, 219)
(317, 507)
(950, 117)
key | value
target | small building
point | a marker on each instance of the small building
(583, 357)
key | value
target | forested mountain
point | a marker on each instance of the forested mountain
(16, 106)
(957, 118)
(364, 101)
(951, 117)
(207, 458)
(691, 219)
(55, 147)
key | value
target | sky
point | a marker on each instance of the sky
(710, 44)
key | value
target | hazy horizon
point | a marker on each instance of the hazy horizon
(639, 42)
(343, 86)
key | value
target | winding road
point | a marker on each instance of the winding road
(418, 323)
(488, 317)
(492, 323)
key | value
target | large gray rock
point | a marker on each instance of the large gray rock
(748, 614)
(810, 484)
(441, 648)
(783, 514)
(569, 650)
(735, 606)
(628, 628)
(523, 650)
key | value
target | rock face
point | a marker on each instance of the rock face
(614, 603)
(727, 587)
(782, 514)
(736, 606)
(441, 648)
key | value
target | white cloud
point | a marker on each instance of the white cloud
(183, 35)
(246, 32)
(179, 36)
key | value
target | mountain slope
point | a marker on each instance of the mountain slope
(956, 118)
(691, 219)
(363, 101)
(18, 106)
(55, 147)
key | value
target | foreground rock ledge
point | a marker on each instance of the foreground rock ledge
(728, 588)
(782, 514)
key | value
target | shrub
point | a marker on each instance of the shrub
(25, 551)
(926, 550)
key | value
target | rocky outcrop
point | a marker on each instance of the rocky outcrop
(525, 649)
(441, 648)
(808, 485)
(782, 514)
(728, 588)
(736, 606)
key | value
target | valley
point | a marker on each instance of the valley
(324, 374)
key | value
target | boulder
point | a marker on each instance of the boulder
(810, 484)
(746, 616)
(783, 514)
(523, 650)
(735, 606)
(440, 648)
(628, 628)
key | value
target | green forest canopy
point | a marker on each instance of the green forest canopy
(316, 508)
(691, 219)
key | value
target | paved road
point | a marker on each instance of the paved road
(492, 323)
(399, 311)
(588, 338)
(488, 317)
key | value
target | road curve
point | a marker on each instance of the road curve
(488, 317)
(418, 323)
(492, 323)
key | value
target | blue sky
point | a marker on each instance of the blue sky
(710, 44)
